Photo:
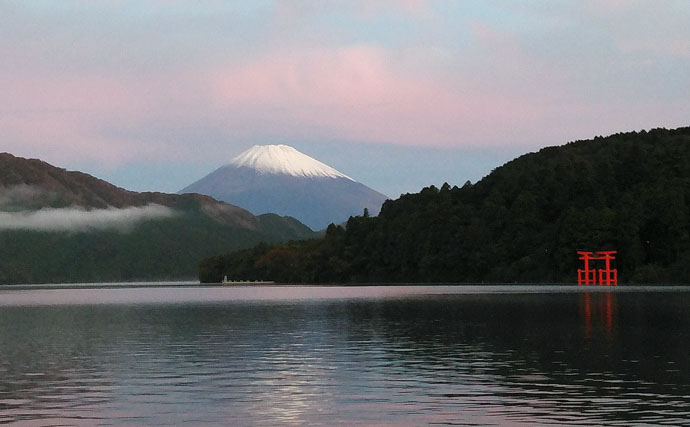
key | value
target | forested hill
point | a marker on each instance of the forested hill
(522, 223)
(65, 226)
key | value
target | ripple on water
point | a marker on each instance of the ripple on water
(408, 359)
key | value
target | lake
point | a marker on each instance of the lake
(402, 355)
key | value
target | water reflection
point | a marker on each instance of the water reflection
(601, 305)
(539, 358)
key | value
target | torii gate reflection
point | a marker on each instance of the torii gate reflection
(604, 302)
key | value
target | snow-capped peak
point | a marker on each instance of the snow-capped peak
(283, 159)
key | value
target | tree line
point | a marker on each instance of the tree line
(523, 222)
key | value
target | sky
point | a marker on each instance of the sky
(398, 94)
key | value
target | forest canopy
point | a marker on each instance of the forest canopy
(524, 222)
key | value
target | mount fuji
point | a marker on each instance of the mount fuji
(279, 179)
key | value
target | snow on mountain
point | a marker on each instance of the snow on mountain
(283, 159)
(279, 179)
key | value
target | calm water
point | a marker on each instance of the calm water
(344, 356)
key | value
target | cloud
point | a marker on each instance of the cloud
(359, 93)
(24, 195)
(107, 84)
(78, 220)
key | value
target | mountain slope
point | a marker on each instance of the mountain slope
(524, 222)
(280, 179)
(61, 226)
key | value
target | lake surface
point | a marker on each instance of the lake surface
(469, 355)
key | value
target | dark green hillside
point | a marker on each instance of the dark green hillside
(524, 222)
(151, 249)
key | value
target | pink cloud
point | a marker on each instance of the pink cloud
(61, 114)
(63, 117)
(362, 8)
(608, 7)
(358, 93)
(674, 46)
(413, 8)
(469, 83)
(485, 34)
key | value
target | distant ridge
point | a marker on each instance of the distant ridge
(279, 179)
(65, 226)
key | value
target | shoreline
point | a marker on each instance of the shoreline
(533, 287)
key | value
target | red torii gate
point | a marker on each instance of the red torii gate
(607, 275)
